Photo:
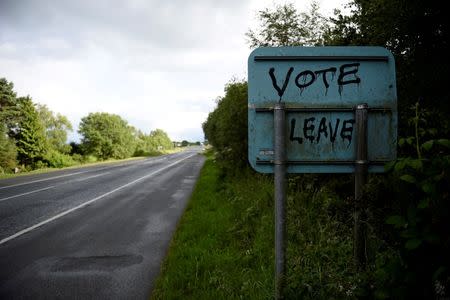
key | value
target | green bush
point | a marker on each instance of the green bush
(226, 126)
(8, 153)
(107, 136)
(89, 159)
(417, 224)
(35, 166)
(55, 159)
(78, 158)
(141, 152)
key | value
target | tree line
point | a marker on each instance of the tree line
(408, 208)
(32, 136)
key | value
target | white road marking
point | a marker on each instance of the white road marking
(76, 180)
(72, 174)
(89, 177)
(40, 180)
(26, 230)
(27, 193)
(53, 186)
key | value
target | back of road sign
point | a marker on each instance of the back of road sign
(321, 86)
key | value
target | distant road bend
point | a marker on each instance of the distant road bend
(97, 232)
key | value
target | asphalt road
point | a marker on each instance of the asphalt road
(92, 233)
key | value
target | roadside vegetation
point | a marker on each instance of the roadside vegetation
(32, 137)
(223, 248)
(213, 254)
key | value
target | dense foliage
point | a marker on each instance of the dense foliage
(8, 152)
(226, 126)
(407, 211)
(284, 26)
(412, 208)
(156, 141)
(56, 128)
(29, 133)
(106, 136)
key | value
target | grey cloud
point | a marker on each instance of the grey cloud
(119, 24)
(122, 53)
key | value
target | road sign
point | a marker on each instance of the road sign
(321, 88)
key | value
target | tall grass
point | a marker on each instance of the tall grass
(223, 248)
(220, 249)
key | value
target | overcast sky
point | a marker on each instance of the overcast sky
(158, 64)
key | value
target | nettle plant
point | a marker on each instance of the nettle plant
(421, 222)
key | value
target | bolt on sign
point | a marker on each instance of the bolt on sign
(321, 88)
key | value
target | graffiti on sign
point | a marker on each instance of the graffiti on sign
(325, 130)
(347, 75)
(320, 88)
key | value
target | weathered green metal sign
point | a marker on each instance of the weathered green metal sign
(321, 87)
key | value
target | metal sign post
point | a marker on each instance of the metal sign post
(361, 167)
(279, 125)
(321, 110)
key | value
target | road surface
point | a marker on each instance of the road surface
(92, 233)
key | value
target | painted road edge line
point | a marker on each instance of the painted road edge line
(31, 228)
(53, 186)
(89, 177)
(40, 180)
(27, 193)
(132, 163)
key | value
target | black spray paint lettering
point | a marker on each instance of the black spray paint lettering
(343, 73)
(291, 135)
(347, 130)
(328, 132)
(322, 129)
(333, 133)
(308, 130)
(286, 81)
(304, 79)
(324, 76)
(305, 84)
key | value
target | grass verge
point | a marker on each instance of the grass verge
(215, 250)
(223, 247)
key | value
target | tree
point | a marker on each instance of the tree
(8, 151)
(159, 138)
(284, 26)
(416, 32)
(107, 136)
(8, 98)
(316, 26)
(155, 141)
(9, 111)
(25, 133)
(226, 127)
(29, 133)
(8, 115)
(56, 128)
